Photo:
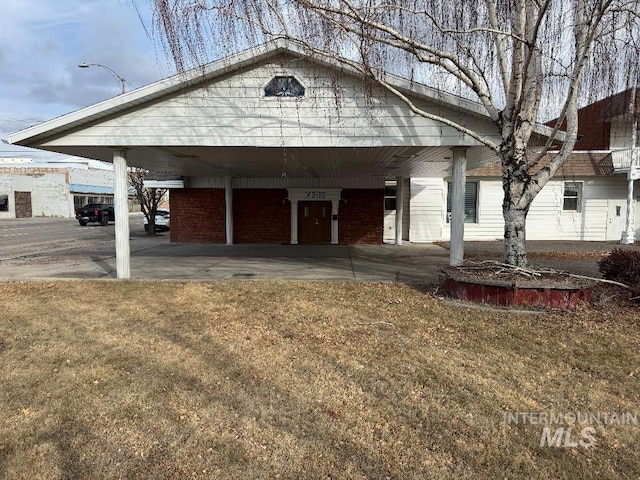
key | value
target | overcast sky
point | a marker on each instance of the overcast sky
(42, 43)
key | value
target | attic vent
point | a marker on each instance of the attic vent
(284, 87)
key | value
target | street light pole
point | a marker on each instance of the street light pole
(113, 73)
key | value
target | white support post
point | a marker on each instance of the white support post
(399, 208)
(121, 209)
(335, 205)
(228, 202)
(629, 234)
(456, 252)
(294, 222)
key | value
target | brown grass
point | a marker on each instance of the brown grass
(302, 380)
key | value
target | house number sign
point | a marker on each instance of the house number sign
(316, 195)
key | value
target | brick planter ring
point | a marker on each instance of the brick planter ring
(504, 293)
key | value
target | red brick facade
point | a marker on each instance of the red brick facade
(594, 121)
(264, 216)
(361, 217)
(197, 215)
(261, 216)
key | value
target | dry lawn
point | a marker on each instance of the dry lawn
(303, 381)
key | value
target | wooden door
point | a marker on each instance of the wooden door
(23, 204)
(314, 222)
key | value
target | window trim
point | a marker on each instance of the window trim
(579, 196)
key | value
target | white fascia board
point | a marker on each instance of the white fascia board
(163, 183)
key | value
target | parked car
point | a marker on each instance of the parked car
(162, 221)
(101, 213)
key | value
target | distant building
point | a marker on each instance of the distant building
(53, 187)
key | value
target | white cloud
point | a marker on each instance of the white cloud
(41, 44)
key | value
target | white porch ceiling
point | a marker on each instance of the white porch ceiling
(295, 162)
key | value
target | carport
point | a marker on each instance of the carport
(280, 126)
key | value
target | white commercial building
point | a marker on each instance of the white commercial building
(52, 188)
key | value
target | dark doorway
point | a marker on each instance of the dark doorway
(23, 204)
(314, 222)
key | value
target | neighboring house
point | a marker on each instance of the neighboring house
(586, 200)
(52, 188)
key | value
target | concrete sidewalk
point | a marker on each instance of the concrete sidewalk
(157, 258)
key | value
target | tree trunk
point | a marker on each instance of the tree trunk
(515, 252)
(151, 223)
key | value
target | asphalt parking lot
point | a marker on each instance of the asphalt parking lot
(44, 248)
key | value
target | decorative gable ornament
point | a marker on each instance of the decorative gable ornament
(282, 86)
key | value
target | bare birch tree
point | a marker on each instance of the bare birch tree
(520, 59)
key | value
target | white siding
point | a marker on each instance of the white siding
(50, 196)
(490, 224)
(233, 111)
(546, 219)
(427, 205)
(6, 188)
(267, 183)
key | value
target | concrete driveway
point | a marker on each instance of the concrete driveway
(60, 248)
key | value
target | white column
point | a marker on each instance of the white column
(456, 252)
(629, 234)
(121, 210)
(228, 210)
(294, 222)
(334, 222)
(399, 208)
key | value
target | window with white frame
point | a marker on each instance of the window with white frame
(390, 197)
(572, 197)
(470, 202)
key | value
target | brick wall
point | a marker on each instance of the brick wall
(260, 216)
(593, 131)
(594, 121)
(197, 215)
(361, 218)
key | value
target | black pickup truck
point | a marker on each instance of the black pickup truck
(95, 212)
